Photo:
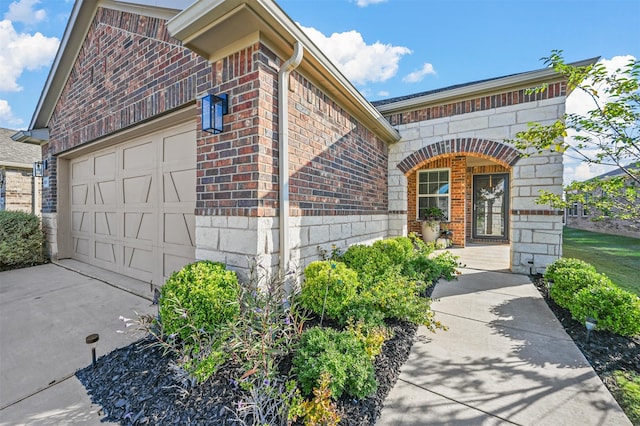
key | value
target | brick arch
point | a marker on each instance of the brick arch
(499, 152)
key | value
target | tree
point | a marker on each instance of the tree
(608, 134)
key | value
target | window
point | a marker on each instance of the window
(433, 190)
(573, 210)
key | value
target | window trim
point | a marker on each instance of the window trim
(448, 195)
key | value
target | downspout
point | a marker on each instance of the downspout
(283, 148)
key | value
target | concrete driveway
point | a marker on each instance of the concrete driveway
(45, 314)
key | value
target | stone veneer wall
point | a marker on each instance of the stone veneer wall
(478, 128)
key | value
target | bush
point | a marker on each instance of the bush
(398, 249)
(616, 310)
(341, 355)
(21, 240)
(329, 287)
(567, 282)
(564, 263)
(202, 296)
(368, 261)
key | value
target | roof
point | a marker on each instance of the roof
(618, 171)
(16, 154)
(476, 88)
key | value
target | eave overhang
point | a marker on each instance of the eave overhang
(215, 29)
(524, 80)
(35, 136)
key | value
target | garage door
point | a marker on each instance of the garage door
(132, 205)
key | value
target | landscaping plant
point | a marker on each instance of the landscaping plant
(21, 240)
(569, 281)
(615, 310)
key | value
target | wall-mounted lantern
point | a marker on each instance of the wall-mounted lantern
(214, 107)
(38, 169)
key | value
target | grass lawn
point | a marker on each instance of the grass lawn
(615, 256)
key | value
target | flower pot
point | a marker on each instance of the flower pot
(430, 231)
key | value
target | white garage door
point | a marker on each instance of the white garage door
(132, 205)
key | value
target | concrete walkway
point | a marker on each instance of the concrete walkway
(45, 314)
(505, 360)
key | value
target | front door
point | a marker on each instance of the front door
(490, 206)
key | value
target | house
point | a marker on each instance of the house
(303, 159)
(16, 175)
(580, 217)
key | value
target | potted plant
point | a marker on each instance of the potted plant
(431, 218)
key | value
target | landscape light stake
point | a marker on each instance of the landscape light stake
(590, 324)
(91, 340)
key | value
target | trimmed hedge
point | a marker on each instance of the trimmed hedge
(21, 240)
(201, 296)
(331, 282)
(566, 263)
(616, 310)
(568, 282)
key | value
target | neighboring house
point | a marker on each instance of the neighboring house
(136, 185)
(16, 175)
(578, 216)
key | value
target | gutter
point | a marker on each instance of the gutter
(35, 136)
(283, 147)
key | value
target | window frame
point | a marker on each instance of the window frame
(448, 195)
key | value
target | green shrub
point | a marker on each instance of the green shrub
(567, 282)
(448, 264)
(399, 297)
(21, 240)
(325, 350)
(564, 263)
(398, 249)
(423, 268)
(202, 296)
(368, 261)
(329, 287)
(616, 310)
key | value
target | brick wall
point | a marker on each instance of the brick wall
(337, 166)
(128, 70)
(18, 191)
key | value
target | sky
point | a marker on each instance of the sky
(387, 48)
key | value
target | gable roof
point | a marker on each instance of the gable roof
(15, 154)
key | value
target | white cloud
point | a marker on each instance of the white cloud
(579, 102)
(418, 75)
(359, 62)
(23, 11)
(20, 52)
(365, 3)
(7, 119)
(383, 93)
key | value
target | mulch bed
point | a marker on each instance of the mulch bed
(136, 385)
(605, 351)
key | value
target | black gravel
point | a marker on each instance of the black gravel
(137, 385)
(605, 351)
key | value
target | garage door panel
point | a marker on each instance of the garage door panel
(80, 169)
(132, 205)
(79, 194)
(81, 247)
(139, 157)
(80, 222)
(105, 192)
(179, 148)
(178, 186)
(105, 223)
(177, 229)
(139, 226)
(137, 189)
(105, 164)
(106, 252)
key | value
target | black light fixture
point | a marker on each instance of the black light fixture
(92, 340)
(590, 324)
(214, 107)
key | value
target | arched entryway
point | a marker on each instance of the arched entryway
(470, 179)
